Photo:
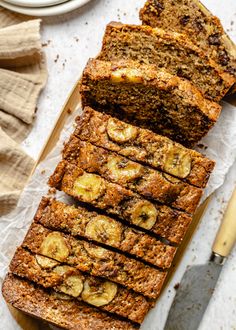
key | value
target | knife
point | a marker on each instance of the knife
(198, 283)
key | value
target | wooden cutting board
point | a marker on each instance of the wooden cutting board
(72, 103)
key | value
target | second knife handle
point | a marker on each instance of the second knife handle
(226, 236)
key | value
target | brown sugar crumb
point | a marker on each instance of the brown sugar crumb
(176, 286)
(56, 59)
(52, 191)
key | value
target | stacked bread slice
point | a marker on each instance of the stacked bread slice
(193, 19)
(101, 261)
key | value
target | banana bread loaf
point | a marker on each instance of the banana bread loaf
(116, 200)
(193, 19)
(151, 98)
(78, 221)
(144, 146)
(95, 260)
(58, 309)
(169, 50)
(150, 183)
(105, 295)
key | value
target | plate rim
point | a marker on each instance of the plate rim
(59, 9)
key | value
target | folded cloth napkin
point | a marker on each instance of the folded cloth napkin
(23, 75)
(15, 167)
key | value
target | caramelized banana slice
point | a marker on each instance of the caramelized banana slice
(144, 214)
(60, 295)
(178, 163)
(89, 187)
(61, 270)
(54, 246)
(126, 74)
(120, 132)
(99, 294)
(46, 262)
(123, 169)
(95, 252)
(104, 230)
(72, 285)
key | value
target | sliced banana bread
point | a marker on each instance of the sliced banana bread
(149, 183)
(105, 295)
(144, 146)
(78, 221)
(58, 309)
(169, 50)
(154, 99)
(116, 200)
(192, 18)
(95, 260)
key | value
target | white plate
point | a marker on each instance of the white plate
(35, 3)
(46, 11)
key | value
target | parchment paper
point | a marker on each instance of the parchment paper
(220, 145)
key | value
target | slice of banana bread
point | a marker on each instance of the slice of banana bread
(169, 50)
(95, 260)
(193, 19)
(78, 221)
(58, 309)
(116, 200)
(151, 98)
(105, 295)
(144, 146)
(150, 183)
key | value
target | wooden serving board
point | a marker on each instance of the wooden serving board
(72, 103)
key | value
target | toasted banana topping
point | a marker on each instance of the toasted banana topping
(99, 294)
(123, 169)
(178, 163)
(61, 296)
(104, 230)
(95, 251)
(61, 270)
(54, 246)
(89, 187)
(72, 285)
(144, 214)
(46, 262)
(126, 75)
(120, 132)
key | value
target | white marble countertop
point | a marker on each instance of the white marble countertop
(69, 41)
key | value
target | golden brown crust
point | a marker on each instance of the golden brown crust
(95, 260)
(146, 147)
(150, 98)
(78, 221)
(193, 19)
(123, 302)
(145, 181)
(155, 46)
(50, 307)
(124, 203)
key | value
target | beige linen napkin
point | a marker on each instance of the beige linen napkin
(20, 44)
(14, 171)
(23, 75)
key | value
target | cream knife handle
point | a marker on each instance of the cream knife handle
(226, 236)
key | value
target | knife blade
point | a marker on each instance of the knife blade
(198, 282)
